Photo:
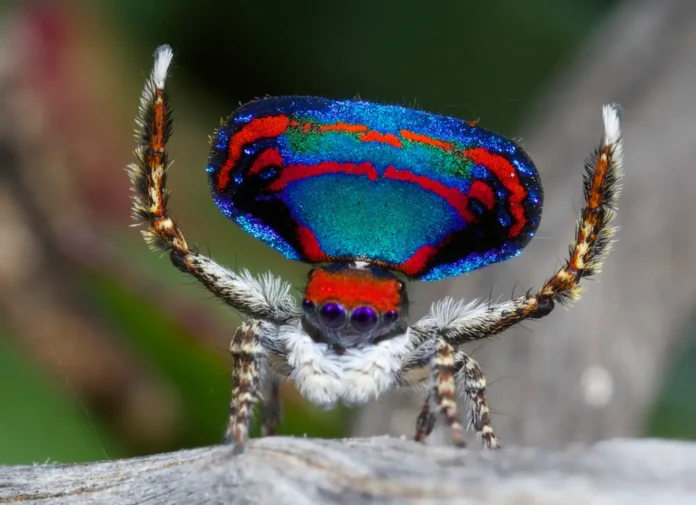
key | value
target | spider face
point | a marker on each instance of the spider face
(350, 304)
(351, 185)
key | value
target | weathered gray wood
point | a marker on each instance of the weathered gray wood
(297, 471)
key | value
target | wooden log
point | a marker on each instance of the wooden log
(296, 471)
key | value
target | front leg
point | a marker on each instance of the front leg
(248, 368)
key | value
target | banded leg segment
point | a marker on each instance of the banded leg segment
(475, 389)
(444, 389)
(267, 298)
(458, 323)
(446, 369)
(248, 361)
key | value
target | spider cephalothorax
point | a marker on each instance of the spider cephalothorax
(352, 304)
(375, 195)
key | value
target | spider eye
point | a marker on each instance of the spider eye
(391, 316)
(364, 319)
(332, 315)
(308, 305)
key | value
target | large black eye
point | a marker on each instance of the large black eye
(364, 319)
(332, 315)
(308, 306)
(391, 316)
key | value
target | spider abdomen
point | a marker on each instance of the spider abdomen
(421, 194)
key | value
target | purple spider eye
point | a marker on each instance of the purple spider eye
(308, 305)
(391, 316)
(363, 319)
(332, 315)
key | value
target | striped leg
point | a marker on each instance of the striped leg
(267, 297)
(247, 362)
(475, 388)
(447, 368)
(445, 389)
(459, 323)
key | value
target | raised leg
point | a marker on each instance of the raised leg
(264, 298)
(452, 323)
(458, 323)
(248, 361)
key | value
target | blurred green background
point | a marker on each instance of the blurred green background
(84, 66)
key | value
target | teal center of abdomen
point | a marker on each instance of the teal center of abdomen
(383, 220)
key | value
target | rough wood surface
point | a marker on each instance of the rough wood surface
(296, 471)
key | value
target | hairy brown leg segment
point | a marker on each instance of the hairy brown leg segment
(148, 176)
(475, 389)
(467, 370)
(593, 240)
(444, 389)
(247, 361)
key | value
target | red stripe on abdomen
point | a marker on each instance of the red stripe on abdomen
(483, 193)
(292, 173)
(382, 138)
(507, 175)
(254, 130)
(310, 245)
(416, 263)
(454, 197)
(343, 127)
(425, 139)
(267, 158)
(459, 201)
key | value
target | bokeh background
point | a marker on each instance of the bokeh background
(106, 351)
